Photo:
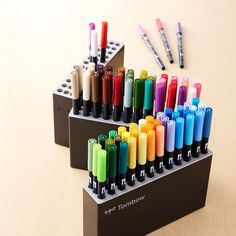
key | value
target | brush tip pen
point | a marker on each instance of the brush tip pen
(104, 41)
(101, 173)
(91, 142)
(117, 98)
(142, 156)
(95, 94)
(137, 100)
(179, 138)
(180, 45)
(94, 47)
(127, 100)
(150, 152)
(106, 96)
(86, 92)
(96, 148)
(123, 165)
(159, 148)
(91, 27)
(112, 157)
(170, 144)
(102, 139)
(112, 134)
(148, 102)
(132, 142)
(75, 91)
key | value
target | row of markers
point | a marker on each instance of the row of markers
(148, 147)
(101, 92)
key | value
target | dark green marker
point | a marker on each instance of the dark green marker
(112, 149)
(148, 102)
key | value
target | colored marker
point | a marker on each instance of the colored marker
(150, 152)
(123, 165)
(188, 137)
(142, 125)
(86, 93)
(175, 115)
(91, 142)
(180, 45)
(168, 112)
(164, 40)
(94, 47)
(117, 98)
(160, 96)
(101, 173)
(197, 133)
(96, 148)
(112, 134)
(91, 27)
(142, 154)
(95, 95)
(151, 48)
(148, 102)
(201, 106)
(159, 150)
(106, 96)
(137, 100)
(171, 97)
(180, 109)
(125, 136)
(104, 41)
(128, 100)
(192, 94)
(193, 109)
(117, 140)
(206, 130)
(198, 86)
(75, 91)
(102, 139)
(149, 119)
(182, 97)
(112, 168)
(159, 115)
(121, 129)
(179, 138)
(131, 161)
(170, 144)
(195, 101)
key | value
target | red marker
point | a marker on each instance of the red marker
(174, 80)
(104, 41)
(198, 86)
(117, 97)
(171, 96)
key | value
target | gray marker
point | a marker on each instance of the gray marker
(164, 40)
(180, 45)
(151, 48)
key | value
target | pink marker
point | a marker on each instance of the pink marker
(91, 27)
(198, 86)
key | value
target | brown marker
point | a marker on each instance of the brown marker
(106, 96)
(95, 94)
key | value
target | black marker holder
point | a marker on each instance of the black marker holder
(62, 102)
(81, 129)
(149, 205)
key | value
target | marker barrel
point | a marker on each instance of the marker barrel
(131, 177)
(178, 156)
(127, 114)
(159, 164)
(147, 113)
(169, 160)
(86, 107)
(95, 184)
(90, 182)
(76, 106)
(121, 181)
(106, 111)
(137, 114)
(111, 185)
(101, 190)
(187, 152)
(150, 169)
(116, 113)
(103, 55)
(204, 145)
(196, 147)
(96, 109)
(141, 173)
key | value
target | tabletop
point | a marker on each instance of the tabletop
(40, 194)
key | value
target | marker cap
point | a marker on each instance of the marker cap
(198, 125)
(207, 123)
(149, 119)
(112, 134)
(96, 148)
(106, 89)
(101, 169)
(178, 28)
(75, 84)
(112, 149)
(121, 129)
(179, 133)
(108, 142)
(175, 115)
(195, 101)
(180, 109)
(182, 95)
(86, 85)
(91, 142)
(94, 43)
(189, 127)
(125, 136)
(141, 31)
(128, 92)
(91, 27)
(159, 115)
(170, 136)
(160, 140)
(201, 106)
(95, 87)
(193, 109)
(132, 152)
(117, 90)
(141, 125)
(159, 24)
(168, 112)
(137, 93)
(123, 158)
(148, 95)
(104, 34)
(160, 96)
(151, 145)
(142, 148)
(198, 86)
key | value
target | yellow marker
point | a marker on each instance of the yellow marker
(142, 156)
(121, 129)
(135, 133)
(132, 126)
(149, 119)
(132, 152)
(141, 125)
(125, 136)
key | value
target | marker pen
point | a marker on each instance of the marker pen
(168, 112)
(125, 136)
(104, 41)
(96, 148)
(198, 86)
(153, 79)
(179, 139)
(121, 129)
(174, 80)
(187, 105)
(197, 133)
(95, 94)
(131, 161)
(148, 102)
(171, 97)
(186, 112)
(128, 100)
(117, 140)
(192, 93)
(149, 119)
(206, 130)
(150, 152)
(94, 47)
(112, 134)
(193, 109)
(195, 101)
(159, 150)
(188, 137)
(149, 126)
(182, 97)
(144, 73)
(75, 91)
(160, 97)
(91, 27)
(155, 123)
(159, 115)
(201, 106)
(170, 144)
(142, 156)
(180, 45)
(79, 68)
(132, 126)
(117, 98)
(164, 77)
(123, 165)
(180, 109)
(101, 140)
(150, 46)
(101, 72)
(91, 142)
(137, 100)
(86, 93)
(164, 40)
(175, 115)
(142, 125)
(106, 96)
(112, 149)
(101, 178)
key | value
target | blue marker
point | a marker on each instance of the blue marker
(180, 109)
(170, 144)
(188, 137)
(186, 112)
(195, 101)
(193, 109)
(179, 140)
(175, 115)
(197, 133)
(206, 130)
(168, 112)
(201, 106)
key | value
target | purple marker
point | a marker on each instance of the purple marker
(91, 27)
(187, 105)
(170, 144)
(180, 45)
(159, 97)
(159, 115)
(182, 97)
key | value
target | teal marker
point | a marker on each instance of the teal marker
(148, 102)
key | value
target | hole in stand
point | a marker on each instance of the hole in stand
(107, 56)
(66, 92)
(68, 80)
(64, 85)
(59, 90)
(108, 47)
(113, 48)
(111, 43)
(99, 49)
(110, 52)
(69, 87)
(86, 62)
(117, 44)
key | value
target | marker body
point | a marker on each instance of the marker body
(127, 100)
(117, 98)
(142, 153)
(180, 45)
(166, 45)
(104, 41)
(179, 138)
(170, 144)
(101, 173)
(123, 164)
(148, 103)
(94, 47)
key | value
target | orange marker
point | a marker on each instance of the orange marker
(160, 144)
(149, 119)
(149, 126)
(156, 122)
(150, 152)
